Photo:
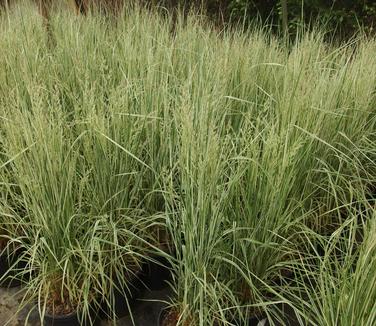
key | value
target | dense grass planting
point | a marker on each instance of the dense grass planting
(248, 162)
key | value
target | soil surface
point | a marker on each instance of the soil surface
(145, 311)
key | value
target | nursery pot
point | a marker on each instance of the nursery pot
(166, 318)
(155, 274)
(8, 261)
(254, 321)
(123, 300)
(162, 315)
(152, 276)
(257, 321)
(71, 319)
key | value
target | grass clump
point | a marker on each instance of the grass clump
(246, 161)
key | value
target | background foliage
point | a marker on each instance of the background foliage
(345, 16)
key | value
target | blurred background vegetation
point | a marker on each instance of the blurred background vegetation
(342, 16)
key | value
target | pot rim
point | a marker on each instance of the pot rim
(163, 312)
(72, 317)
(57, 317)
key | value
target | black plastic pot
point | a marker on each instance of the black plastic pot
(251, 322)
(10, 264)
(65, 320)
(69, 320)
(123, 300)
(155, 274)
(162, 316)
(255, 321)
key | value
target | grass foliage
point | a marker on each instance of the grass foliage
(253, 159)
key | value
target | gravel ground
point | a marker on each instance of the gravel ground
(9, 304)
